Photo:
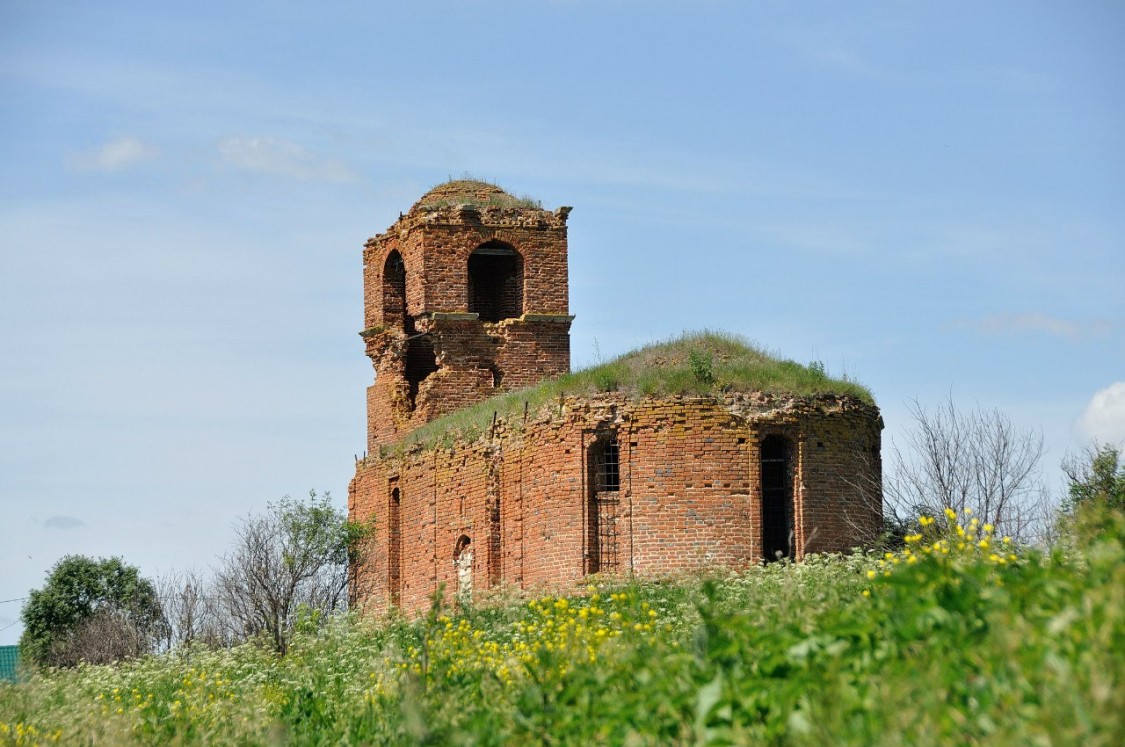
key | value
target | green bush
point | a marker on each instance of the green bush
(90, 610)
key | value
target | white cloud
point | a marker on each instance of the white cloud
(1035, 322)
(269, 155)
(64, 522)
(1104, 418)
(115, 155)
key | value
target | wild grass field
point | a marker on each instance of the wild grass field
(958, 638)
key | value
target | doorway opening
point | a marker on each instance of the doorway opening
(777, 499)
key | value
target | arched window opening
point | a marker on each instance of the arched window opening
(394, 546)
(497, 376)
(463, 565)
(421, 361)
(495, 282)
(777, 499)
(604, 479)
(394, 291)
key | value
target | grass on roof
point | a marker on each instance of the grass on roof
(505, 200)
(698, 363)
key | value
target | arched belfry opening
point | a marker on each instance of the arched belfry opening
(421, 360)
(777, 498)
(495, 282)
(394, 291)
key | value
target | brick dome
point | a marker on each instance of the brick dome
(462, 191)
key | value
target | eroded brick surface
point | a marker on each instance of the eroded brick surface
(431, 352)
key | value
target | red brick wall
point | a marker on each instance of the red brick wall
(471, 357)
(841, 458)
(435, 244)
(689, 494)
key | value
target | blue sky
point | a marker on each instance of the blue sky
(928, 197)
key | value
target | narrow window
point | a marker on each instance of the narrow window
(495, 282)
(394, 546)
(608, 475)
(394, 291)
(495, 544)
(777, 499)
(602, 507)
(463, 565)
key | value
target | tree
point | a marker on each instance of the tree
(976, 460)
(294, 559)
(191, 612)
(90, 610)
(1096, 475)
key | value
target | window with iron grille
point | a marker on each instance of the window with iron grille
(602, 510)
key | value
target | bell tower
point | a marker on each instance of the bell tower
(465, 296)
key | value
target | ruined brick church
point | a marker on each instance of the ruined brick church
(465, 298)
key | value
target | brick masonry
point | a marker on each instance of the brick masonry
(426, 316)
(524, 498)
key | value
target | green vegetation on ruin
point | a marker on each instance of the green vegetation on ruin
(694, 364)
(491, 202)
(503, 200)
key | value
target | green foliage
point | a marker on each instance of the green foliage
(316, 531)
(959, 638)
(1097, 477)
(77, 590)
(702, 367)
(607, 378)
(290, 567)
